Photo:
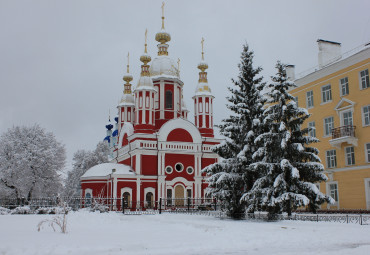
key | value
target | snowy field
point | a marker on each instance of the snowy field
(114, 233)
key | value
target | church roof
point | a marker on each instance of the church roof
(105, 169)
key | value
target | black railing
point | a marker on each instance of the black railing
(343, 131)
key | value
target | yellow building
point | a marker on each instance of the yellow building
(337, 95)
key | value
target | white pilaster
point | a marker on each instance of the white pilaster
(161, 100)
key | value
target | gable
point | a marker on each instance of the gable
(179, 135)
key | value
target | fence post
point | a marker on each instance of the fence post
(317, 218)
(360, 219)
(214, 200)
(188, 204)
(160, 205)
(347, 218)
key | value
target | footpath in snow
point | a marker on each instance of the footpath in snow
(114, 233)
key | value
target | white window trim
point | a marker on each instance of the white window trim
(345, 155)
(313, 103)
(166, 169)
(363, 115)
(340, 86)
(366, 156)
(129, 190)
(367, 193)
(322, 98)
(324, 133)
(341, 113)
(308, 126)
(360, 80)
(178, 163)
(328, 193)
(326, 158)
(88, 191)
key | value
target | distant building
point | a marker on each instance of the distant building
(337, 95)
(156, 151)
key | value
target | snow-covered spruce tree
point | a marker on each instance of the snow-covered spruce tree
(289, 167)
(229, 179)
(82, 161)
(31, 161)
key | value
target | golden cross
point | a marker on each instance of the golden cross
(202, 42)
(146, 34)
(128, 62)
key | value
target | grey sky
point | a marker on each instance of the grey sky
(62, 62)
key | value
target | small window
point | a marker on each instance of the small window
(344, 90)
(333, 191)
(126, 199)
(190, 170)
(311, 129)
(364, 79)
(169, 170)
(128, 116)
(328, 125)
(350, 156)
(179, 167)
(331, 159)
(141, 102)
(169, 99)
(326, 93)
(367, 151)
(149, 200)
(366, 115)
(207, 107)
(169, 197)
(309, 97)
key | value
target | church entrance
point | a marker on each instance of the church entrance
(179, 195)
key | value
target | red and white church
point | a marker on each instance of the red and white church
(155, 151)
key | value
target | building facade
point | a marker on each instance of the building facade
(337, 95)
(155, 151)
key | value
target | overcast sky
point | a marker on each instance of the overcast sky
(62, 62)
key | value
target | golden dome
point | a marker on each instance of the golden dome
(127, 77)
(145, 58)
(163, 37)
(202, 66)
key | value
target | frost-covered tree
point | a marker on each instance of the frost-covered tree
(229, 179)
(289, 167)
(31, 161)
(82, 161)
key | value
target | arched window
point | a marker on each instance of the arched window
(149, 200)
(169, 99)
(88, 199)
(127, 200)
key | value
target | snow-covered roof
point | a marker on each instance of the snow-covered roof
(163, 65)
(145, 82)
(203, 89)
(105, 169)
(127, 99)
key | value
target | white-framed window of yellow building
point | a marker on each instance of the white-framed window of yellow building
(312, 129)
(309, 99)
(350, 156)
(331, 159)
(366, 115)
(328, 125)
(364, 79)
(326, 93)
(344, 90)
(367, 152)
(333, 190)
(347, 118)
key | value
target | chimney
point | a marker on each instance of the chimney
(290, 72)
(328, 52)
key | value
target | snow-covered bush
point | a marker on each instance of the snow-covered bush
(22, 210)
(4, 211)
(53, 210)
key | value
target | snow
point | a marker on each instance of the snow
(106, 169)
(163, 65)
(114, 233)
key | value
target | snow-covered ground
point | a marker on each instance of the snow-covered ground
(114, 233)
